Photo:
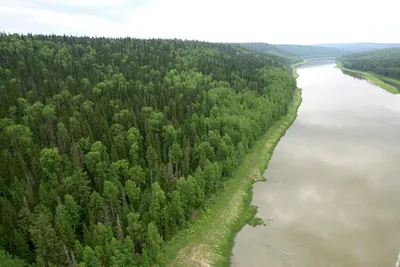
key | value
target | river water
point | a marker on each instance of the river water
(332, 196)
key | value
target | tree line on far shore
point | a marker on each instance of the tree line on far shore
(385, 62)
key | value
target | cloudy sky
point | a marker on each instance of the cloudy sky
(272, 21)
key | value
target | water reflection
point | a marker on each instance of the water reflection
(333, 190)
(353, 74)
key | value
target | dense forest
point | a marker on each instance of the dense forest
(270, 49)
(111, 146)
(311, 51)
(385, 62)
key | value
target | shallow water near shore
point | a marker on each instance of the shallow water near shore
(332, 196)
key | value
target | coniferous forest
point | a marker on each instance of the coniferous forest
(385, 62)
(111, 146)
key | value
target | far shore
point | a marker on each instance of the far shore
(389, 84)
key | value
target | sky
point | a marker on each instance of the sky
(277, 21)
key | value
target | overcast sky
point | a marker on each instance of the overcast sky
(271, 21)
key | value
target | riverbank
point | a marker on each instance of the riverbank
(389, 84)
(208, 241)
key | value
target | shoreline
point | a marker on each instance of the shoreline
(208, 240)
(372, 78)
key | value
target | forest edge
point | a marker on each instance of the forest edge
(208, 241)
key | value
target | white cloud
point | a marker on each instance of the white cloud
(86, 3)
(47, 21)
(290, 21)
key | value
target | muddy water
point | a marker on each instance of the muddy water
(332, 196)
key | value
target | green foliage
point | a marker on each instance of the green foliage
(311, 51)
(48, 247)
(8, 260)
(271, 49)
(135, 228)
(91, 258)
(211, 236)
(103, 138)
(256, 221)
(50, 161)
(154, 243)
(385, 62)
(63, 225)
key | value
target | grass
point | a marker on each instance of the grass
(256, 221)
(209, 239)
(389, 84)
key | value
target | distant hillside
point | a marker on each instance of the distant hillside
(385, 62)
(294, 53)
(269, 49)
(360, 47)
(311, 51)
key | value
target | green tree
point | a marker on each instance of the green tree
(204, 152)
(154, 243)
(111, 195)
(157, 205)
(133, 193)
(175, 156)
(73, 210)
(63, 137)
(78, 185)
(102, 234)
(106, 137)
(47, 246)
(51, 162)
(135, 228)
(10, 261)
(91, 258)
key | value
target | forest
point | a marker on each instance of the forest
(109, 147)
(385, 62)
(311, 51)
(270, 49)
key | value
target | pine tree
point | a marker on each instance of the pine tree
(154, 243)
(104, 138)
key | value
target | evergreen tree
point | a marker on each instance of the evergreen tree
(108, 146)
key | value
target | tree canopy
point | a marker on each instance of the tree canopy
(271, 49)
(311, 51)
(385, 62)
(109, 146)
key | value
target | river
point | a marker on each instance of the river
(332, 196)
